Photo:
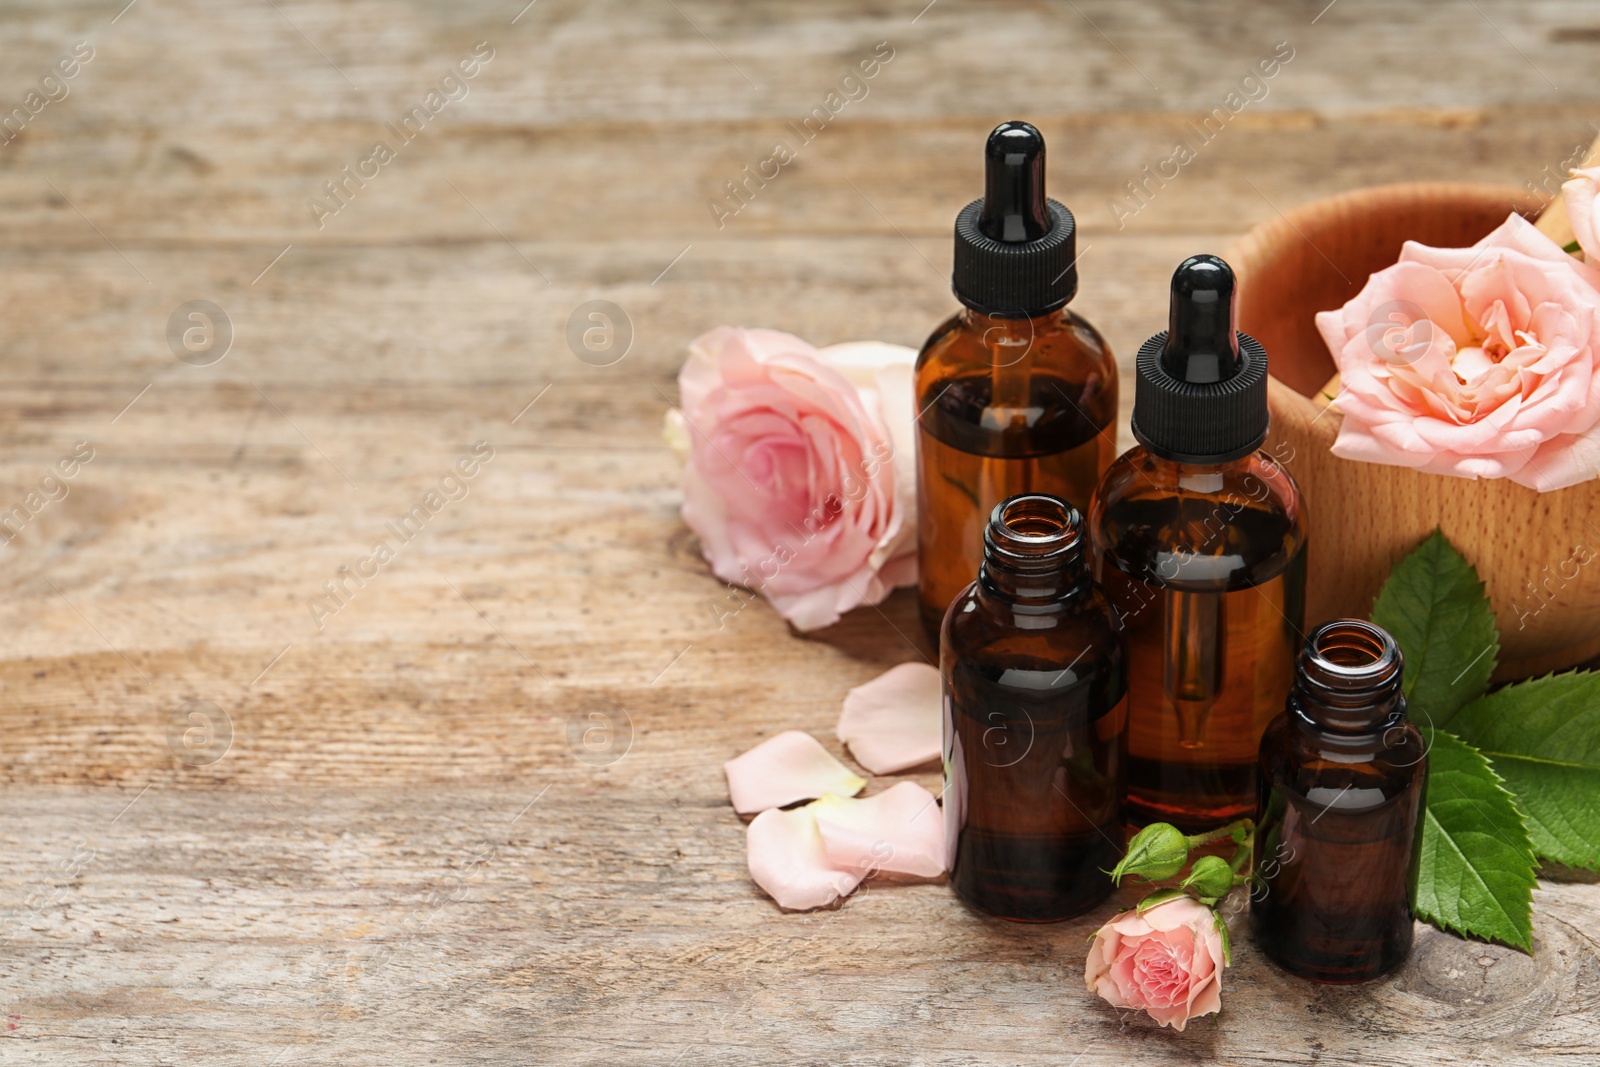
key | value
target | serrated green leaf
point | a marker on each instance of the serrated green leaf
(1434, 605)
(1543, 737)
(1475, 866)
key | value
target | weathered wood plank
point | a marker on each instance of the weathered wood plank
(604, 923)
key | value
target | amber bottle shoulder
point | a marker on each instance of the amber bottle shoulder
(1166, 522)
(983, 627)
(1062, 342)
(1390, 758)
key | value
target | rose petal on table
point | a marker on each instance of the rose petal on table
(675, 434)
(899, 830)
(783, 769)
(788, 860)
(894, 721)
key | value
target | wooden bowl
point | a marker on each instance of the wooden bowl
(1530, 548)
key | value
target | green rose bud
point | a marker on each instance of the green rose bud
(1210, 878)
(1156, 852)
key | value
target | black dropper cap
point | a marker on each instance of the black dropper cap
(1015, 249)
(1201, 391)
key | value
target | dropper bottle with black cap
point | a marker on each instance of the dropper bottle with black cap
(1016, 393)
(1199, 540)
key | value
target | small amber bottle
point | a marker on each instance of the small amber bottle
(1015, 393)
(1199, 541)
(1342, 778)
(1035, 679)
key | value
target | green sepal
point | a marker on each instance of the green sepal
(1160, 896)
(1227, 942)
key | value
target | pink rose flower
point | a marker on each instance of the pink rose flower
(1479, 362)
(1167, 961)
(798, 477)
(1578, 194)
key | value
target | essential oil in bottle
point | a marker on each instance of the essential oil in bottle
(1199, 540)
(1341, 783)
(1035, 682)
(1016, 394)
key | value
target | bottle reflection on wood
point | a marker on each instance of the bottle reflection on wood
(1341, 785)
(1035, 680)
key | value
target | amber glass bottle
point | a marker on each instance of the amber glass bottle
(1035, 681)
(1199, 540)
(1015, 393)
(1341, 785)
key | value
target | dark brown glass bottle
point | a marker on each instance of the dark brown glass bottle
(1341, 785)
(1199, 541)
(1035, 682)
(1015, 393)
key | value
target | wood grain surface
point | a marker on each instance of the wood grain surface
(395, 836)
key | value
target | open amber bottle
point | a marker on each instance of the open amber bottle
(1035, 680)
(1341, 784)
(1015, 393)
(1199, 541)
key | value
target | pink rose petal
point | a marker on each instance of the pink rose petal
(787, 859)
(1579, 196)
(783, 769)
(900, 830)
(894, 722)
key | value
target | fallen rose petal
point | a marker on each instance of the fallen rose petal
(787, 859)
(783, 769)
(898, 830)
(894, 721)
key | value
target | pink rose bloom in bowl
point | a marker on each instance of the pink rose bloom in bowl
(798, 475)
(1167, 961)
(1479, 362)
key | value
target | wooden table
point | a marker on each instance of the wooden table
(387, 837)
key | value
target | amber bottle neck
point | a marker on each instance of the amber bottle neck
(1348, 677)
(1033, 552)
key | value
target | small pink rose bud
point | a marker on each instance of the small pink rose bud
(1158, 851)
(1166, 960)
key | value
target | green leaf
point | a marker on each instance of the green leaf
(1544, 739)
(1572, 246)
(1434, 605)
(1475, 867)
